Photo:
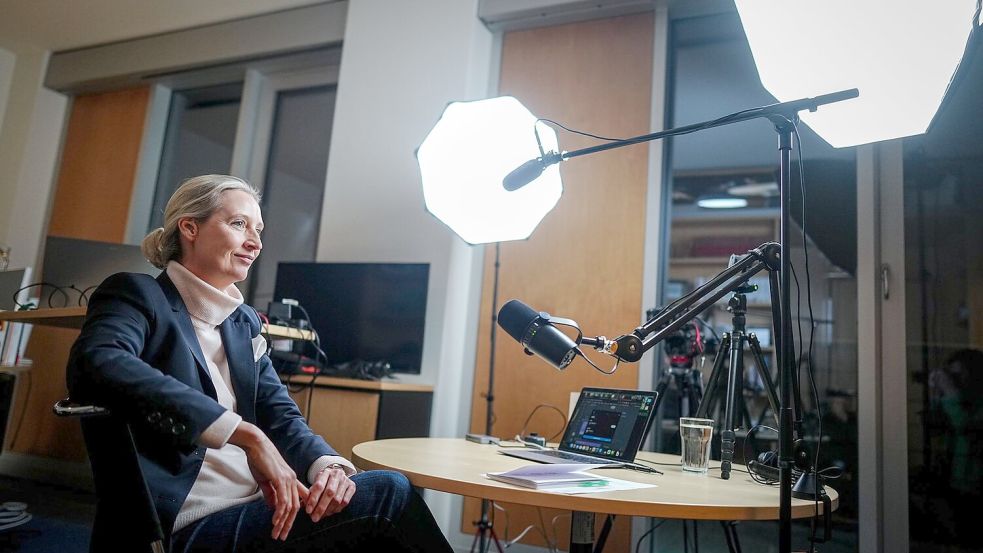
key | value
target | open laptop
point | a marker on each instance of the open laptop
(606, 428)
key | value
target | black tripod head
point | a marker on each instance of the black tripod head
(737, 304)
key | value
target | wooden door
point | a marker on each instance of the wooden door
(584, 261)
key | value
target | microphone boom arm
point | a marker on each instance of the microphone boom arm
(631, 347)
(777, 113)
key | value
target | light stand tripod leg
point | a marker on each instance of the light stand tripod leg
(494, 539)
(485, 536)
(733, 344)
(695, 387)
(686, 535)
(763, 372)
(730, 532)
(710, 394)
(661, 390)
(735, 381)
(603, 537)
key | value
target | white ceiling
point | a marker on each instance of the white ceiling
(67, 24)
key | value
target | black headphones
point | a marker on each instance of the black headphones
(768, 458)
(800, 456)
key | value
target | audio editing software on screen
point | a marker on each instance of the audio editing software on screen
(608, 423)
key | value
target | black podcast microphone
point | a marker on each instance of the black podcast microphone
(524, 174)
(534, 331)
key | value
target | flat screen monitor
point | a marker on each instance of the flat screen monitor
(83, 264)
(362, 311)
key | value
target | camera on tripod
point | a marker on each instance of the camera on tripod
(686, 344)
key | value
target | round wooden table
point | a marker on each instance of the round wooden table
(456, 466)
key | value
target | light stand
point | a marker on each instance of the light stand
(462, 188)
(630, 347)
(485, 535)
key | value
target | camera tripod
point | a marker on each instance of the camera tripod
(688, 382)
(807, 486)
(681, 349)
(733, 344)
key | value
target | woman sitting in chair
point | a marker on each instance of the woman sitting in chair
(228, 458)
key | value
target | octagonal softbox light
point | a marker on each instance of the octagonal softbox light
(464, 159)
(901, 55)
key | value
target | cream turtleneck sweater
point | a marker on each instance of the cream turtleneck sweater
(225, 479)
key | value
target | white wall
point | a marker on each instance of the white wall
(392, 88)
(7, 60)
(30, 138)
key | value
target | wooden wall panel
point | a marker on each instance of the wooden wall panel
(37, 430)
(98, 165)
(92, 202)
(359, 411)
(584, 261)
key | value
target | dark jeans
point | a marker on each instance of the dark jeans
(385, 514)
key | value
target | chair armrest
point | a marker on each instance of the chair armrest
(67, 408)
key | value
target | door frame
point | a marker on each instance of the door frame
(262, 79)
(882, 391)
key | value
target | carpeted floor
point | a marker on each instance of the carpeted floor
(62, 517)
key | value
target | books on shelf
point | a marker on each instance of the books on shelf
(553, 475)
(13, 342)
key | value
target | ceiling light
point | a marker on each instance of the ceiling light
(721, 201)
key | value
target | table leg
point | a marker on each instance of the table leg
(581, 532)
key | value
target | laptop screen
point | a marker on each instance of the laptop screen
(609, 423)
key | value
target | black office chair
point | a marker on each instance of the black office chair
(113, 456)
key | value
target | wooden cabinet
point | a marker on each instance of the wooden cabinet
(347, 412)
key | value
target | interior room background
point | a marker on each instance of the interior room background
(325, 119)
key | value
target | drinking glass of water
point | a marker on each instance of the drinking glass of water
(696, 434)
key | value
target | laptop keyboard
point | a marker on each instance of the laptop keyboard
(576, 457)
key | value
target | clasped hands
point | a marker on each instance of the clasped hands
(330, 493)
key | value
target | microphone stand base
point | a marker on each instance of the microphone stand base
(805, 488)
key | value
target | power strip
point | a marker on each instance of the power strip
(481, 439)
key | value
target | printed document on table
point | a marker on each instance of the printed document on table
(563, 478)
(609, 485)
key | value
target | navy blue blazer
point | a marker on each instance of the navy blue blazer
(138, 355)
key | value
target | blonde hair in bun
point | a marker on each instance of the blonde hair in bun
(153, 248)
(197, 198)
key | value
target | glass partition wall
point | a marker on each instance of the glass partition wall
(943, 217)
(270, 125)
(712, 73)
